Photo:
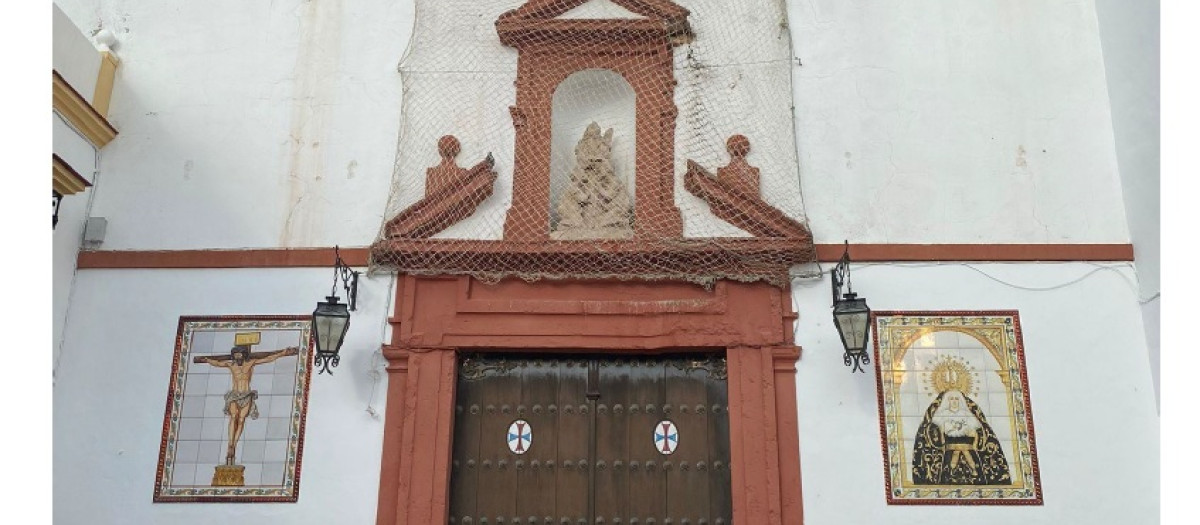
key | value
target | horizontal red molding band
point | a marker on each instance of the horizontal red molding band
(977, 252)
(241, 258)
(323, 257)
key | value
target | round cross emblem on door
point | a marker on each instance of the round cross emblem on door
(666, 437)
(520, 436)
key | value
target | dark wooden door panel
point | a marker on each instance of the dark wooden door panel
(612, 444)
(489, 391)
(593, 455)
(687, 487)
(536, 485)
(468, 419)
(720, 492)
(571, 436)
(648, 492)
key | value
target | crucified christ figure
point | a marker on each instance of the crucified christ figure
(239, 400)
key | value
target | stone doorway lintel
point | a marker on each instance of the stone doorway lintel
(437, 317)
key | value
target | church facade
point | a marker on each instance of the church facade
(595, 242)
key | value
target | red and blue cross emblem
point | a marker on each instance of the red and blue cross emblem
(666, 437)
(520, 436)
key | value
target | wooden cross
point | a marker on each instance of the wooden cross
(249, 356)
(243, 341)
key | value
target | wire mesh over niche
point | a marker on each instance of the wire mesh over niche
(630, 139)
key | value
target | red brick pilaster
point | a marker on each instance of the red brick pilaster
(415, 475)
(764, 446)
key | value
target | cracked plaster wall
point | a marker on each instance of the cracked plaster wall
(249, 124)
(274, 124)
(955, 122)
(1090, 395)
(112, 383)
(78, 62)
(1129, 32)
(266, 124)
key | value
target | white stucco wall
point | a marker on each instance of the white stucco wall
(1090, 387)
(78, 62)
(72, 214)
(250, 124)
(1129, 33)
(958, 122)
(955, 122)
(1090, 390)
(274, 124)
(112, 385)
(74, 57)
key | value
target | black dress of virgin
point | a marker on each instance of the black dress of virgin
(934, 461)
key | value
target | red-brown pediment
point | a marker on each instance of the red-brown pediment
(538, 21)
(549, 9)
(452, 200)
(634, 39)
(740, 208)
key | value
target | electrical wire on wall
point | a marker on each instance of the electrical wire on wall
(1113, 267)
(91, 198)
(378, 362)
(793, 57)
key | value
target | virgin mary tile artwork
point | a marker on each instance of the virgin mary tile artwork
(954, 409)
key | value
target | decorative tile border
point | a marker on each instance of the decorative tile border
(166, 488)
(954, 413)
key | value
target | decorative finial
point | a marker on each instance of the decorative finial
(739, 174)
(449, 147)
(738, 146)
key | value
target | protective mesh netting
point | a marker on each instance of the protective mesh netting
(589, 142)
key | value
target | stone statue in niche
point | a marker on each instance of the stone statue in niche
(596, 204)
(739, 174)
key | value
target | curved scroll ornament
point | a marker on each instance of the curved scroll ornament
(475, 368)
(716, 366)
(857, 360)
(326, 362)
(733, 195)
(452, 194)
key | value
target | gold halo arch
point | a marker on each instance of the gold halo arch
(997, 352)
(951, 374)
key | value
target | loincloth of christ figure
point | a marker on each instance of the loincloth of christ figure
(240, 399)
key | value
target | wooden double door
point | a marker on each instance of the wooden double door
(591, 439)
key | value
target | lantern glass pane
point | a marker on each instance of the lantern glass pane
(853, 328)
(329, 324)
(338, 332)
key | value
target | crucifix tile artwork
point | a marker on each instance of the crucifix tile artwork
(234, 423)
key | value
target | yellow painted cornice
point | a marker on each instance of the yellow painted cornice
(67, 181)
(73, 107)
(104, 82)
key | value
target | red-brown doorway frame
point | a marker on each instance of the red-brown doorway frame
(437, 317)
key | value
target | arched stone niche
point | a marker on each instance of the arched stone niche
(593, 95)
(550, 51)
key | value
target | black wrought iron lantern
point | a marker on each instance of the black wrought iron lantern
(331, 319)
(851, 316)
(58, 197)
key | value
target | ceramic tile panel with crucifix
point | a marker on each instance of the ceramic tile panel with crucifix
(234, 423)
